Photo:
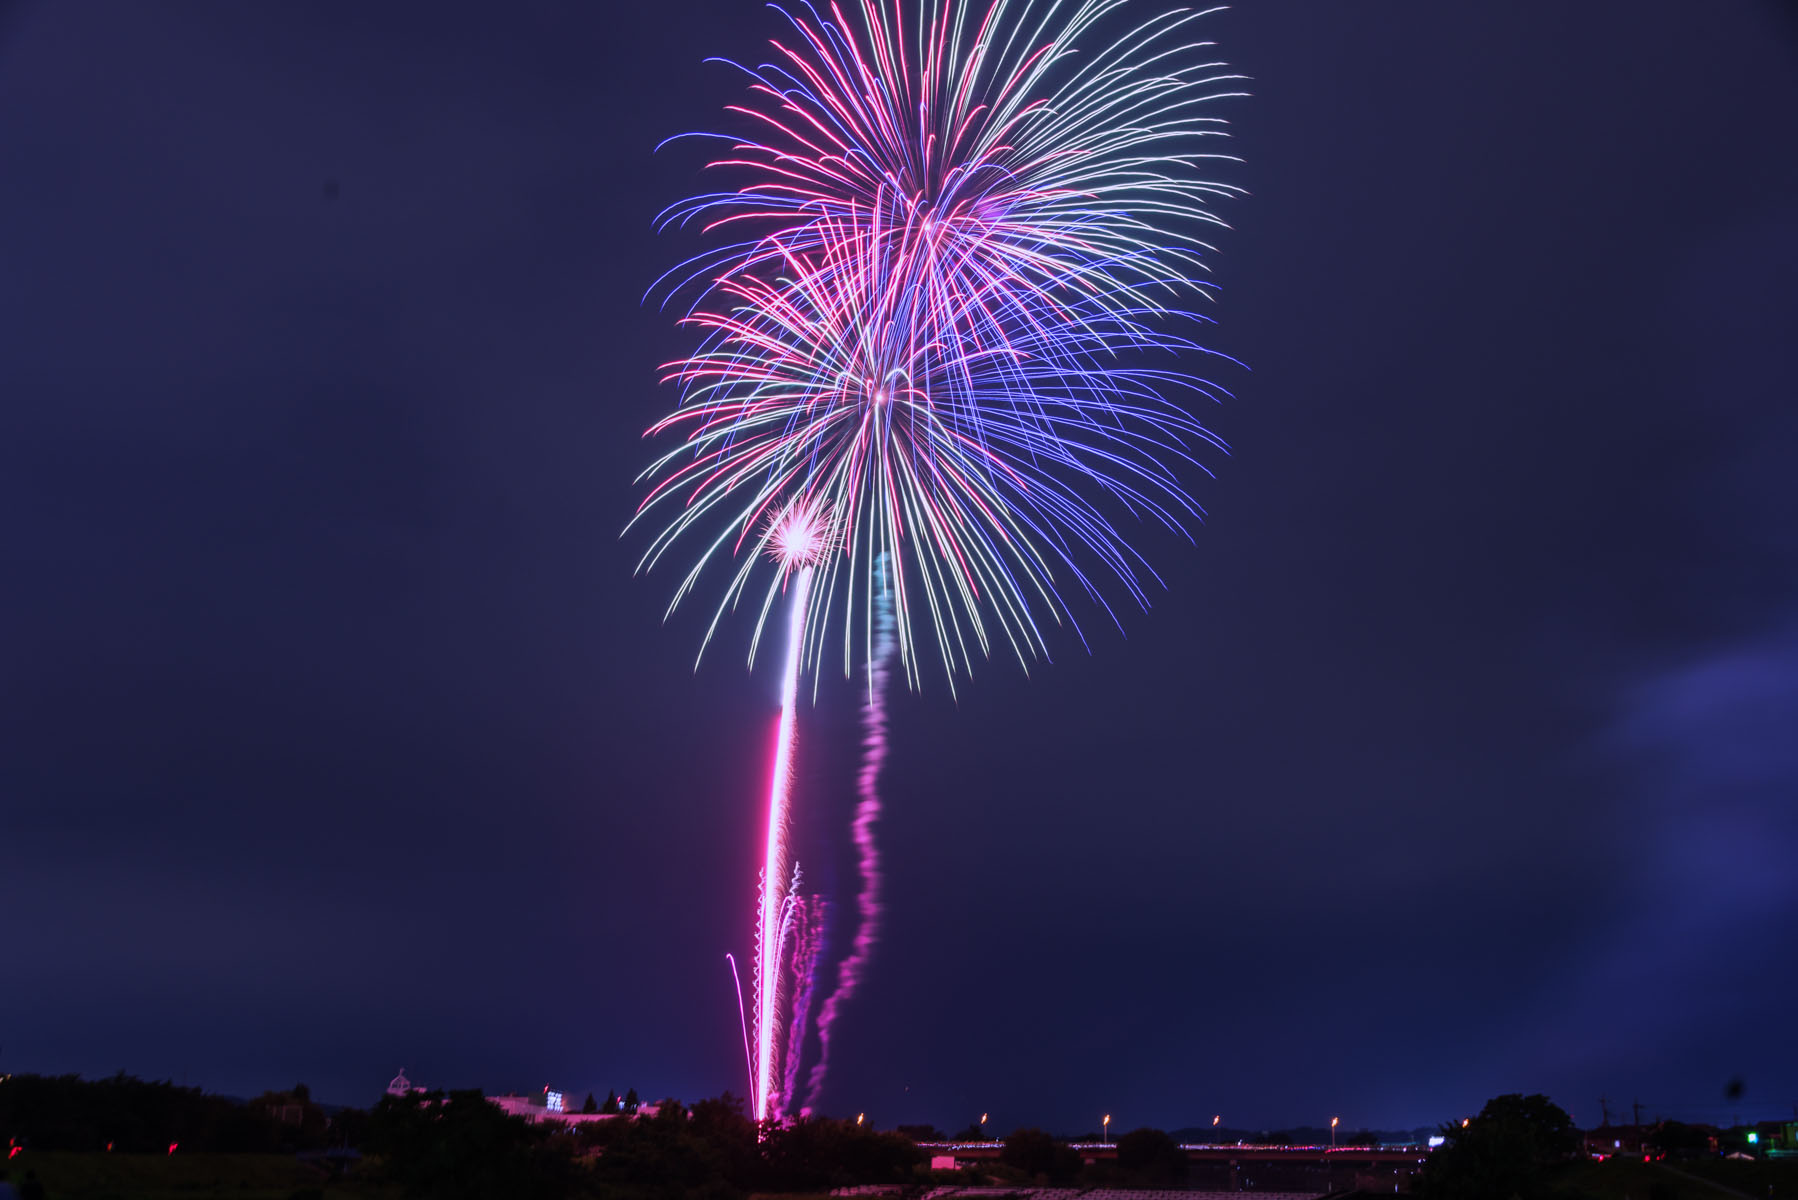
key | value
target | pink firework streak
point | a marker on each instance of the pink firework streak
(867, 812)
(774, 862)
(799, 536)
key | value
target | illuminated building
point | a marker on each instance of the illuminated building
(551, 1105)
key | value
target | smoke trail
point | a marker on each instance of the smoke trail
(772, 910)
(867, 811)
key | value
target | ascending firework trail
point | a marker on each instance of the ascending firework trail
(797, 542)
(945, 343)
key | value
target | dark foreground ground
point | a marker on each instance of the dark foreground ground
(1699, 1179)
(68, 1176)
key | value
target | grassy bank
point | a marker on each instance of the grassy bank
(1698, 1179)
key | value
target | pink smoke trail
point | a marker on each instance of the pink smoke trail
(774, 863)
(867, 812)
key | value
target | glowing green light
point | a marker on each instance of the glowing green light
(1753, 1138)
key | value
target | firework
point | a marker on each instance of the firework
(802, 958)
(977, 469)
(769, 924)
(796, 539)
(1016, 156)
(941, 340)
(971, 215)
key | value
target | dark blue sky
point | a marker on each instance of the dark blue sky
(336, 734)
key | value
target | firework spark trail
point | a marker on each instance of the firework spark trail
(794, 951)
(867, 812)
(807, 937)
(774, 860)
(742, 1018)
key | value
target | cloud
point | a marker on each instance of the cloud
(1716, 768)
(1706, 822)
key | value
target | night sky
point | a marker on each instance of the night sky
(336, 733)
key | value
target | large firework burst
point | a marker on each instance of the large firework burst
(967, 233)
(947, 334)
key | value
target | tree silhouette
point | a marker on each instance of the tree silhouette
(1152, 1156)
(1504, 1152)
(1036, 1153)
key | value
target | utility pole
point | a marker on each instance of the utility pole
(1604, 1111)
(1637, 1108)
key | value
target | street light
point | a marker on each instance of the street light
(983, 1127)
(1333, 1121)
(858, 1117)
(1105, 1129)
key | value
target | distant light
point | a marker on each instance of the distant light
(1464, 1122)
(1215, 1120)
(553, 1101)
(1333, 1121)
(1753, 1138)
(172, 1146)
(858, 1117)
(1437, 1141)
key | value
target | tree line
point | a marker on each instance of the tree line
(136, 1116)
(456, 1144)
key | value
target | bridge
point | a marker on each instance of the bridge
(1395, 1156)
(1296, 1170)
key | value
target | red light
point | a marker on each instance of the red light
(172, 1146)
